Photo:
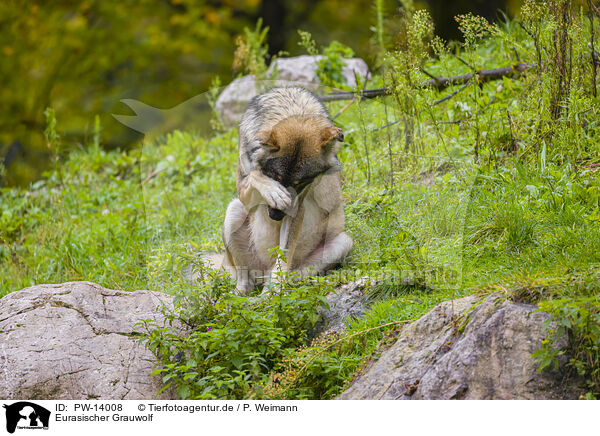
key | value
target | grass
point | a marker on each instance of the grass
(433, 222)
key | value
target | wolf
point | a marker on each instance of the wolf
(288, 190)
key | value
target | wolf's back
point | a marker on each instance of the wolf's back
(266, 110)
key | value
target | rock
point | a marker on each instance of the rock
(300, 70)
(345, 303)
(77, 340)
(465, 350)
(304, 69)
(234, 99)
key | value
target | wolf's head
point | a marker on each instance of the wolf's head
(299, 149)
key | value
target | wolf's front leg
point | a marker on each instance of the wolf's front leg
(256, 187)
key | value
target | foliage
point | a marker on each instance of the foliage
(402, 68)
(578, 321)
(473, 28)
(81, 58)
(213, 93)
(473, 188)
(230, 344)
(251, 51)
(323, 369)
(308, 43)
(329, 69)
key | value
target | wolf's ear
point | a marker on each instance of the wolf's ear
(267, 139)
(329, 133)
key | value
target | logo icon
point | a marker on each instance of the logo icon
(26, 415)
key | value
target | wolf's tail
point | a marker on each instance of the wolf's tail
(214, 260)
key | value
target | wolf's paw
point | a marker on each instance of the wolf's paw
(277, 196)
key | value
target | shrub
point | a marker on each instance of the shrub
(232, 341)
(577, 319)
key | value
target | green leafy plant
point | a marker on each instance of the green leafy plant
(232, 342)
(213, 93)
(330, 68)
(251, 51)
(576, 320)
(52, 136)
(308, 43)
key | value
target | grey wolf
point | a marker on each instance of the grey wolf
(288, 190)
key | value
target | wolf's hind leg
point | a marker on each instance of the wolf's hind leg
(239, 258)
(327, 256)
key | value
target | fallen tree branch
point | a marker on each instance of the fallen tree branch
(439, 82)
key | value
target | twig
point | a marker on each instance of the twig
(153, 174)
(448, 97)
(471, 67)
(367, 77)
(441, 100)
(593, 167)
(462, 120)
(517, 54)
(342, 110)
(427, 73)
(386, 125)
(527, 31)
(444, 122)
(592, 36)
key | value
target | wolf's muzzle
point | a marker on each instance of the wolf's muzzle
(276, 214)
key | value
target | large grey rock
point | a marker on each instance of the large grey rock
(234, 99)
(300, 70)
(464, 350)
(304, 69)
(77, 341)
